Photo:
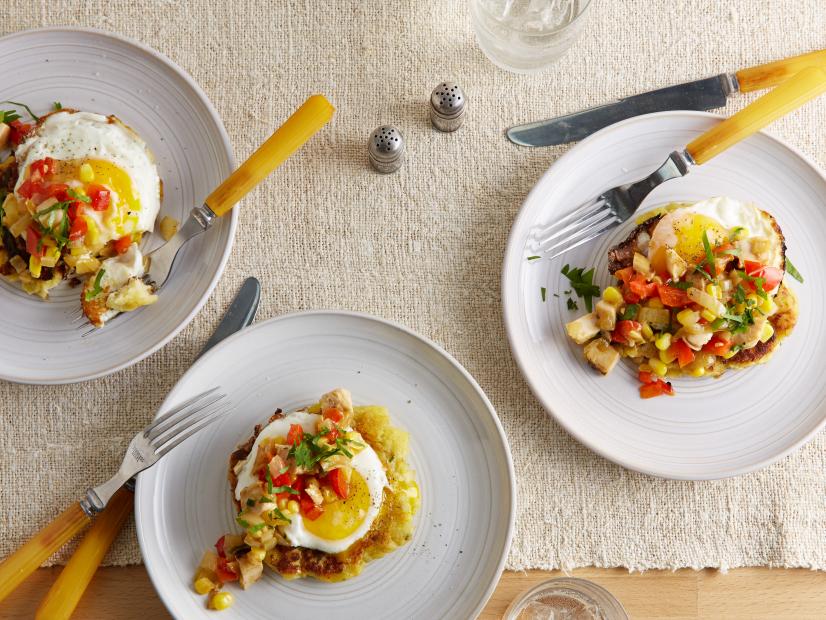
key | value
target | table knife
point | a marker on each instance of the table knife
(62, 598)
(706, 94)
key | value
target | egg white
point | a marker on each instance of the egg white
(366, 463)
(70, 135)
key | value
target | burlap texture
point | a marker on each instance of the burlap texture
(424, 247)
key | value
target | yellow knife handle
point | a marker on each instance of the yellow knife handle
(60, 601)
(789, 96)
(774, 73)
(23, 562)
(300, 127)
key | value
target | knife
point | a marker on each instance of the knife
(705, 94)
(62, 598)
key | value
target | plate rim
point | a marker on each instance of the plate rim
(510, 314)
(226, 143)
(297, 315)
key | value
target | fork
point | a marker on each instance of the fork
(615, 206)
(145, 449)
(305, 122)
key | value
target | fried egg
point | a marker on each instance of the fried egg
(721, 219)
(343, 521)
(90, 149)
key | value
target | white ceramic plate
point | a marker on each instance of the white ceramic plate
(712, 428)
(457, 447)
(100, 72)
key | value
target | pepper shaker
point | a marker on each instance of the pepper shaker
(385, 149)
(447, 106)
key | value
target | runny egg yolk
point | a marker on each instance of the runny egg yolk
(106, 174)
(684, 234)
(341, 518)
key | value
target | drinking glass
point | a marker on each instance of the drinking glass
(526, 36)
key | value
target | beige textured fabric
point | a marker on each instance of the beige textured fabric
(424, 247)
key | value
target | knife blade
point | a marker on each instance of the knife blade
(62, 598)
(705, 94)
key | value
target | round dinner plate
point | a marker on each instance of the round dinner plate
(100, 72)
(457, 448)
(712, 428)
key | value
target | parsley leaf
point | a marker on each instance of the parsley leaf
(792, 271)
(96, 288)
(73, 194)
(582, 282)
(8, 116)
(250, 502)
(543, 292)
(707, 248)
(25, 107)
(683, 286)
(630, 312)
(284, 489)
(534, 257)
(57, 106)
(276, 513)
(572, 305)
(269, 479)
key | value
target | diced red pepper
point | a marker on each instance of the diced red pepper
(646, 376)
(718, 345)
(29, 188)
(641, 287)
(683, 352)
(219, 547)
(771, 275)
(656, 388)
(339, 483)
(309, 508)
(299, 483)
(623, 329)
(100, 197)
(58, 190)
(295, 434)
(628, 295)
(672, 297)
(78, 228)
(74, 211)
(18, 132)
(224, 572)
(624, 275)
(122, 245)
(33, 241)
(332, 414)
(332, 435)
(42, 169)
(282, 480)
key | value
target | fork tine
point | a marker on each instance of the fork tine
(576, 214)
(154, 429)
(183, 436)
(584, 229)
(197, 415)
(595, 232)
(595, 214)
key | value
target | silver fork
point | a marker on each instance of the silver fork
(615, 206)
(145, 449)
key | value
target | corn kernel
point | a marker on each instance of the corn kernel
(688, 317)
(729, 355)
(699, 371)
(34, 266)
(258, 554)
(292, 506)
(658, 366)
(282, 504)
(221, 600)
(654, 302)
(647, 332)
(87, 174)
(740, 308)
(714, 291)
(767, 306)
(708, 315)
(663, 341)
(666, 357)
(645, 368)
(767, 332)
(612, 295)
(203, 585)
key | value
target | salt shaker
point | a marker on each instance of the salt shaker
(447, 106)
(385, 149)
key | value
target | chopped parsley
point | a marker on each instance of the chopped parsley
(792, 271)
(543, 292)
(57, 106)
(269, 479)
(74, 195)
(309, 452)
(582, 282)
(707, 248)
(572, 305)
(242, 522)
(275, 513)
(534, 257)
(25, 107)
(8, 116)
(96, 288)
(284, 489)
(683, 286)
(250, 502)
(630, 312)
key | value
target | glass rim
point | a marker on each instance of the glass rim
(585, 7)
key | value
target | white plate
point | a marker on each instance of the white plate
(712, 428)
(457, 447)
(100, 72)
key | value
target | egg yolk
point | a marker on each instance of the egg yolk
(105, 173)
(343, 517)
(684, 234)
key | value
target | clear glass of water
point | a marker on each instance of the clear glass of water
(526, 36)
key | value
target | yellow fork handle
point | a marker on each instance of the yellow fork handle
(62, 598)
(789, 96)
(23, 562)
(300, 127)
(774, 73)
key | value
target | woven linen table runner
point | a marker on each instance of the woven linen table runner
(424, 247)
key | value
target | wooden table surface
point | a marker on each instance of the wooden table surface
(753, 593)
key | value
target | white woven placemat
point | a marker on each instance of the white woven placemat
(424, 247)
